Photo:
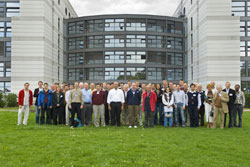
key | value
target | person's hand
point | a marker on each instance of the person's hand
(30, 106)
(39, 107)
(58, 105)
(109, 108)
(81, 107)
(122, 108)
(175, 106)
(183, 107)
(50, 107)
(168, 106)
(70, 107)
(198, 108)
(20, 106)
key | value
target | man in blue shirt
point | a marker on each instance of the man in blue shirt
(87, 109)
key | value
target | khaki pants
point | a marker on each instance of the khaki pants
(187, 116)
(98, 110)
(218, 111)
(125, 118)
(67, 114)
(26, 110)
(132, 114)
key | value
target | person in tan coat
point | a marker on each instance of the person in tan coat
(220, 106)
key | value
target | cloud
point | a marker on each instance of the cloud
(99, 7)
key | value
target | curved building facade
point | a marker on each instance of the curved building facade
(109, 48)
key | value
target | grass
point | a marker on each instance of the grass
(51, 146)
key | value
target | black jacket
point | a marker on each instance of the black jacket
(232, 96)
(54, 99)
(159, 96)
(202, 93)
(36, 93)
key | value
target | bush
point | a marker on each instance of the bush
(2, 102)
(247, 97)
(11, 100)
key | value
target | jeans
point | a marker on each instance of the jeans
(46, 110)
(179, 112)
(159, 109)
(238, 108)
(37, 114)
(168, 121)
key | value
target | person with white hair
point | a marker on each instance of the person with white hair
(86, 113)
(125, 119)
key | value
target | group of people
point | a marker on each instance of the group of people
(168, 104)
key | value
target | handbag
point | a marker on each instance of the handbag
(211, 113)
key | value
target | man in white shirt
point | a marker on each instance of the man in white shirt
(115, 104)
(71, 87)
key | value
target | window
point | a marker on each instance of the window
(170, 27)
(178, 43)
(114, 41)
(8, 29)
(94, 57)
(243, 68)
(75, 59)
(114, 25)
(192, 40)
(58, 2)
(2, 29)
(136, 41)
(192, 73)
(114, 73)
(95, 42)
(238, 9)
(8, 48)
(2, 12)
(8, 72)
(156, 41)
(134, 57)
(76, 43)
(1, 69)
(117, 57)
(174, 43)
(1, 49)
(192, 57)
(136, 74)
(191, 2)
(12, 9)
(66, 11)
(170, 43)
(155, 74)
(156, 25)
(136, 25)
(175, 59)
(94, 26)
(95, 74)
(175, 74)
(75, 74)
(191, 23)
(156, 58)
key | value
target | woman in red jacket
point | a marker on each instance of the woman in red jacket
(25, 101)
(148, 106)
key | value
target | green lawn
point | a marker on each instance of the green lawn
(35, 145)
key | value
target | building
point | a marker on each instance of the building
(144, 48)
(213, 41)
(31, 40)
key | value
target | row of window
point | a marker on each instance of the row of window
(5, 29)
(122, 57)
(241, 8)
(5, 71)
(125, 25)
(4, 87)
(125, 74)
(116, 41)
(5, 48)
(9, 9)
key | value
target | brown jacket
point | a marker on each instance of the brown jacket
(224, 100)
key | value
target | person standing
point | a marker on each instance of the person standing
(186, 113)
(67, 110)
(148, 106)
(86, 114)
(209, 106)
(98, 102)
(25, 101)
(106, 91)
(75, 103)
(168, 101)
(116, 104)
(238, 106)
(125, 120)
(140, 114)
(201, 111)
(232, 97)
(179, 105)
(220, 106)
(58, 105)
(134, 100)
(193, 102)
(36, 93)
(159, 106)
(45, 104)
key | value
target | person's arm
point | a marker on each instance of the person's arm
(164, 100)
(109, 100)
(225, 98)
(19, 99)
(70, 99)
(243, 99)
(199, 100)
(171, 101)
(62, 99)
(82, 99)
(184, 100)
(39, 100)
(31, 98)
(122, 95)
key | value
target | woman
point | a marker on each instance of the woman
(158, 106)
(208, 106)
(58, 101)
(168, 101)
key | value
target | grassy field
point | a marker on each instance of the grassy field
(38, 146)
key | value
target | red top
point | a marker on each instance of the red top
(46, 97)
(21, 97)
(98, 99)
(153, 100)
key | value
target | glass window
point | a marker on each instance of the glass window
(95, 74)
(238, 3)
(243, 68)
(179, 27)
(72, 28)
(136, 41)
(170, 43)
(75, 59)
(156, 41)
(156, 25)
(94, 57)
(156, 58)
(238, 13)
(7, 87)
(12, 9)
(136, 25)
(155, 74)
(1, 87)
(94, 26)
(95, 42)
(170, 26)
(1, 48)
(114, 25)
(175, 74)
(114, 57)
(136, 74)
(1, 69)
(114, 73)
(79, 27)
(175, 59)
(2, 29)
(76, 43)
(8, 48)
(178, 43)
(113, 41)
(134, 57)
(8, 72)
(8, 29)
(75, 74)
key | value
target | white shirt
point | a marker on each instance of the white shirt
(67, 96)
(115, 95)
(168, 103)
(26, 98)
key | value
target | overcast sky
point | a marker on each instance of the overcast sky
(98, 7)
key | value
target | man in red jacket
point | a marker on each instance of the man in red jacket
(25, 101)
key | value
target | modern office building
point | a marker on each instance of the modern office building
(108, 48)
(213, 35)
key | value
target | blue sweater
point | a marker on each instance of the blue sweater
(41, 98)
(134, 98)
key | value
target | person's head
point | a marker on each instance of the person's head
(125, 87)
(129, 84)
(122, 86)
(237, 87)
(199, 87)
(171, 84)
(98, 87)
(76, 85)
(153, 86)
(185, 86)
(178, 87)
(137, 84)
(66, 88)
(52, 87)
(58, 89)
(174, 87)
(92, 86)
(108, 86)
(209, 87)
(219, 88)
(46, 86)
(148, 88)
(40, 84)
(165, 83)
(212, 83)
(56, 84)
(143, 86)
(158, 86)
(181, 82)
(26, 86)
(86, 86)
(134, 86)
(71, 86)
(192, 87)
(115, 85)
(63, 85)
(104, 85)
(81, 85)
(168, 90)
(228, 85)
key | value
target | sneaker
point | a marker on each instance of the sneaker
(130, 127)
(72, 127)
(135, 126)
(18, 124)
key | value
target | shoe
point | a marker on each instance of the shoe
(18, 124)
(72, 127)
(135, 126)
(130, 127)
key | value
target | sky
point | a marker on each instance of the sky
(99, 7)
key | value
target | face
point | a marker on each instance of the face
(165, 83)
(178, 87)
(143, 86)
(212, 84)
(171, 85)
(86, 86)
(192, 87)
(46, 86)
(158, 86)
(228, 85)
(185, 86)
(40, 84)
(52, 87)
(237, 88)
(81, 85)
(209, 88)
(219, 88)
(66, 88)
(133, 86)
(92, 86)
(76, 85)
(137, 84)
(153, 86)
(181, 83)
(26, 86)
(200, 88)
(167, 90)
(116, 85)
(129, 84)
(121, 85)
(104, 85)
(98, 87)
(108, 86)
(148, 88)
(125, 88)
(58, 89)
(71, 87)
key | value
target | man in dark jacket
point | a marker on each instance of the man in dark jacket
(58, 105)
(201, 112)
(232, 97)
(36, 93)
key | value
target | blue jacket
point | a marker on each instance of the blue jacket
(41, 99)
(134, 98)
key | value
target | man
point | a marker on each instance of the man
(148, 106)
(64, 84)
(129, 85)
(194, 103)
(238, 106)
(186, 113)
(159, 106)
(86, 115)
(143, 89)
(133, 100)
(164, 85)
(116, 104)
(98, 102)
(232, 97)
(75, 103)
(121, 86)
(25, 101)
(179, 105)
(171, 85)
(212, 83)
(181, 83)
(36, 93)
(45, 104)
(220, 100)
(125, 120)
(92, 87)
(202, 108)
(67, 111)
(58, 105)
(105, 87)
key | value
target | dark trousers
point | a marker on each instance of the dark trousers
(46, 110)
(238, 109)
(86, 114)
(58, 113)
(63, 114)
(75, 109)
(231, 113)
(201, 115)
(193, 112)
(51, 115)
(106, 114)
(115, 113)
(159, 109)
(149, 118)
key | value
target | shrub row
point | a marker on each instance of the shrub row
(9, 100)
